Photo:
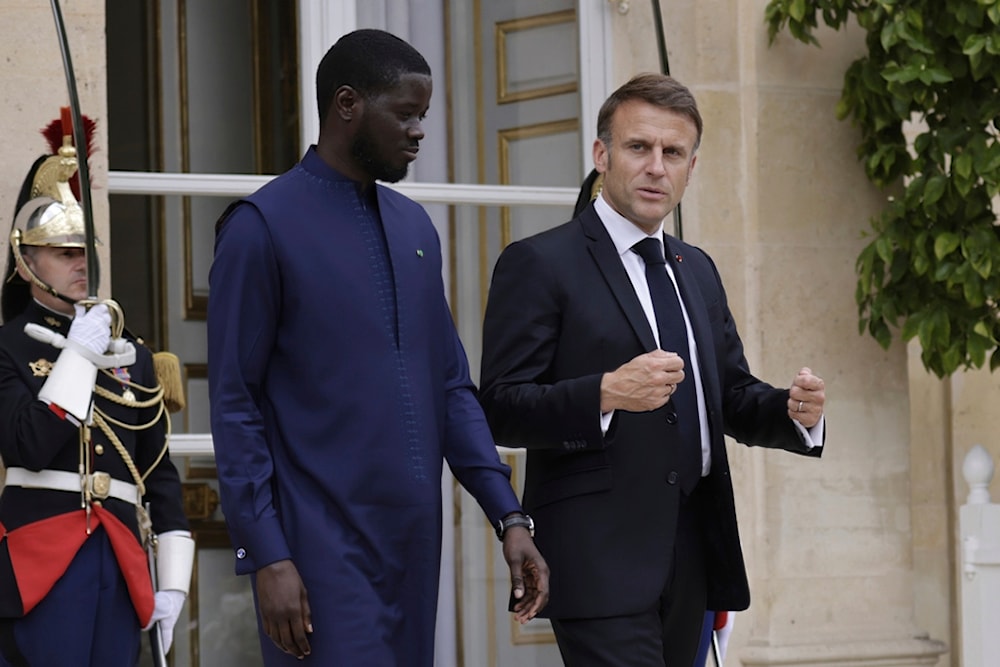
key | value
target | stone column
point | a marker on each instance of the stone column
(33, 87)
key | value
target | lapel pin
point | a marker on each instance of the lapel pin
(420, 253)
(678, 258)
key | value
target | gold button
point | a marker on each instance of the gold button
(98, 449)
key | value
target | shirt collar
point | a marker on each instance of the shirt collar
(624, 234)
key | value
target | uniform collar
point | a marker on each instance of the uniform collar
(44, 315)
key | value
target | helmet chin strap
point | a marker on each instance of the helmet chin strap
(15, 247)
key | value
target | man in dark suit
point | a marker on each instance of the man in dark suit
(622, 396)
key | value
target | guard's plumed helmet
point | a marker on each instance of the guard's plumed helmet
(47, 214)
(52, 216)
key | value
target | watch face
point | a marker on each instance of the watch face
(522, 520)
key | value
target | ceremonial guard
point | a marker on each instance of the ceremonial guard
(83, 437)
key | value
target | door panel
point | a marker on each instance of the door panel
(203, 87)
(513, 91)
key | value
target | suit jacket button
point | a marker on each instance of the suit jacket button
(672, 418)
(672, 477)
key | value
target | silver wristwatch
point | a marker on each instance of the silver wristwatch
(522, 520)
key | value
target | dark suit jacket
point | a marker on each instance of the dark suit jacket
(561, 313)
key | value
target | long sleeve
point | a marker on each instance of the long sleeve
(244, 307)
(526, 404)
(31, 435)
(469, 446)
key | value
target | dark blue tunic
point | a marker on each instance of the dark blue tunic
(338, 386)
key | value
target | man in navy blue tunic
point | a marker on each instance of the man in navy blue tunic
(339, 385)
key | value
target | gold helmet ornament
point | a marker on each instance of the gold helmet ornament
(52, 217)
(589, 190)
(48, 214)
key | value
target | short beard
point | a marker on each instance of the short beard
(363, 150)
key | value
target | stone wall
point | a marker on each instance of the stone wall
(33, 89)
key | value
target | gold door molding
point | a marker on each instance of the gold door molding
(503, 30)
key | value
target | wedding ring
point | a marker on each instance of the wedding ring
(799, 409)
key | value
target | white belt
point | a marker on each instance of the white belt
(102, 485)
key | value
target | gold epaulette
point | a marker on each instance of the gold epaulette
(168, 372)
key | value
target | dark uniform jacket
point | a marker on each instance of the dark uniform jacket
(35, 437)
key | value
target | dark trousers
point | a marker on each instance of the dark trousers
(666, 635)
(86, 619)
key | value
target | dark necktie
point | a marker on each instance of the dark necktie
(673, 338)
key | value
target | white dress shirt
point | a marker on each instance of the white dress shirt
(624, 234)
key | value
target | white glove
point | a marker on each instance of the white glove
(91, 329)
(167, 606)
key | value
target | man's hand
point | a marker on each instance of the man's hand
(645, 383)
(529, 574)
(806, 398)
(284, 607)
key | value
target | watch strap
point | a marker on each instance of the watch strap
(522, 520)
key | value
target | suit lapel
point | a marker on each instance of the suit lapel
(605, 255)
(694, 304)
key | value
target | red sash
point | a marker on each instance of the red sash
(41, 552)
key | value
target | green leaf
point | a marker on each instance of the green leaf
(911, 326)
(951, 359)
(889, 36)
(925, 333)
(936, 74)
(797, 10)
(983, 264)
(944, 272)
(976, 347)
(972, 290)
(883, 247)
(974, 44)
(881, 333)
(963, 165)
(945, 244)
(980, 329)
(934, 190)
(902, 74)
